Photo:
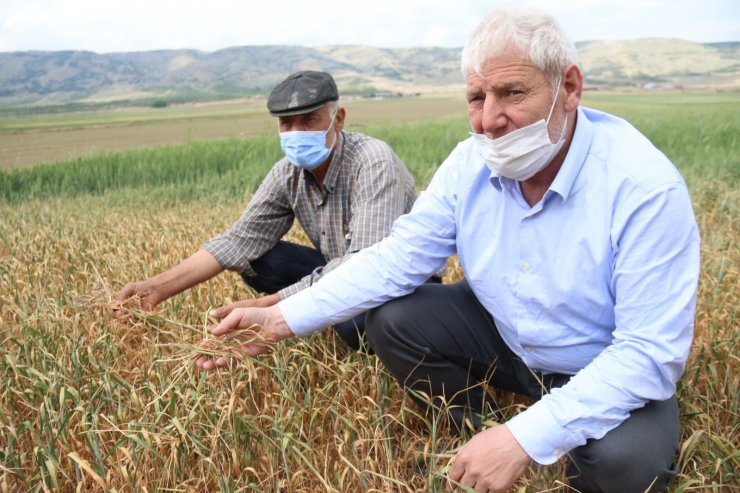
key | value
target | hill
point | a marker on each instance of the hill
(655, 62)
(37, 78)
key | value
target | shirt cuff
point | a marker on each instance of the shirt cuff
(540, 435)
(301, 313)
(286, 293)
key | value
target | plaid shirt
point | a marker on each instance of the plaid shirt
(365, 189)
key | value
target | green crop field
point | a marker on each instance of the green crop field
(92, 403)
(33, 139)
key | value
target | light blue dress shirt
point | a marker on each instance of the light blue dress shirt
(597, 280)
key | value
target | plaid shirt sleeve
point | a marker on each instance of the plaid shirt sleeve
(267, 217)
(383, 190)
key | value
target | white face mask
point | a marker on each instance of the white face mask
(521, 154)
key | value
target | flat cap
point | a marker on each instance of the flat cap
(302, 92)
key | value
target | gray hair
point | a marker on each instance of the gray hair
(536, 35)
(333, 106)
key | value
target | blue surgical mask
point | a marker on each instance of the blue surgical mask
(307, 149)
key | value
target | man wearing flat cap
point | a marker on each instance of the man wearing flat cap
(344, 188)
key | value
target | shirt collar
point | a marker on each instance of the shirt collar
(498, 181)
(577, 153)
(566, 177)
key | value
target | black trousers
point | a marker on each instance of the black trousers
(440, 342)
(287, 263)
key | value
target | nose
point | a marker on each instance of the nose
(493, 121)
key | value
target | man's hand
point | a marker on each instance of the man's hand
(490, 462)
(141, 292)
(259, 328)
(262, 302)
(147, 294)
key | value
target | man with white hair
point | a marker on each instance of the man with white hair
(580, 252)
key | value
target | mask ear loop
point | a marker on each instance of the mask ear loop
(331, 125)
(554, 99)
(565, 123)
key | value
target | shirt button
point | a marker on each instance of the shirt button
(556, 452)
(528, 349)
(526, 266)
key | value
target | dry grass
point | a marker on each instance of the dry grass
(89, 402)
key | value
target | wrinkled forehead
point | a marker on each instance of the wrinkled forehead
(503, 68)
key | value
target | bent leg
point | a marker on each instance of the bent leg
(286, 264)
(282, 266)
(352, 331)
(636, 456)
(440, 342)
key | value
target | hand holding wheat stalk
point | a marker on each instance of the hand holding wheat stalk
(224, 343)
(230, 348)
(256, 330)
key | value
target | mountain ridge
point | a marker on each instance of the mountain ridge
(29, 78)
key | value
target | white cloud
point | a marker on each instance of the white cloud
(160, 24)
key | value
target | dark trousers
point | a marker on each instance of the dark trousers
(440, 342)
(287, 263)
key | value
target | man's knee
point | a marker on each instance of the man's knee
(386, 322)
(376, 325)
(636, 456)
(283, 265)
(621, 470)
(432, 318)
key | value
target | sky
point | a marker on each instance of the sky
(208, 25)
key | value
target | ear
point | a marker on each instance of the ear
(573, 87)
(340, 119)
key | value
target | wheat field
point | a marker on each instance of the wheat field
(90, 402)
